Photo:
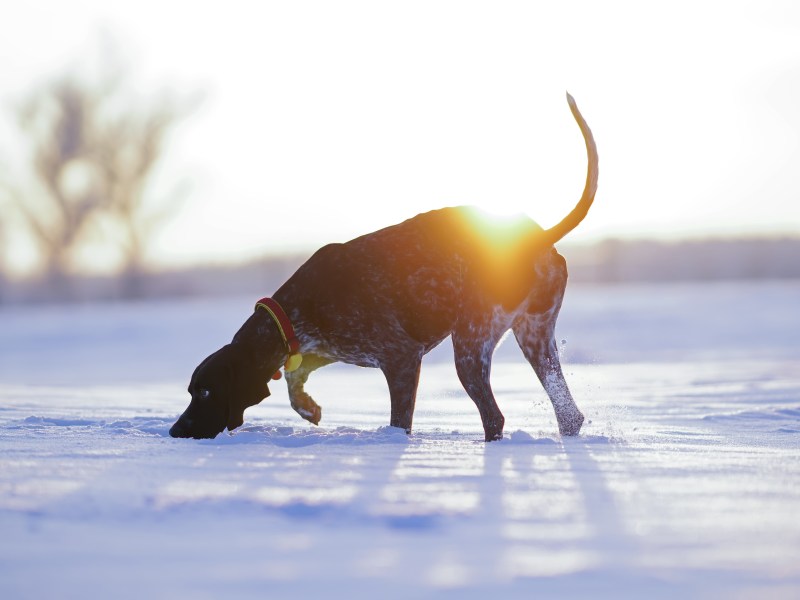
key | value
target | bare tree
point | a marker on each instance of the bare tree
(66, 191)
(126, 155)
(93, 147)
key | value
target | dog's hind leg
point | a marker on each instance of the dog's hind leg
(535, 335)
(301, 402)
(403, 378)
(473, 357)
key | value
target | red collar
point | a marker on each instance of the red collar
(287, 333)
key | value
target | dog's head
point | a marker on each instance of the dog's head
(222, 387)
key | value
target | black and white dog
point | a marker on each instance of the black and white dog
(387, 298)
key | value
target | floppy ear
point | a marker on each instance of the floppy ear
(235, 419)
(198, 367)
(247, 389)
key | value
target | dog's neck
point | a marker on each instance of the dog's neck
(263, 342)
(284, 325)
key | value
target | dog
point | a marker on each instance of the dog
(387, 298)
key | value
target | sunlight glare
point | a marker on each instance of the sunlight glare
(501, 228)
(503, 208)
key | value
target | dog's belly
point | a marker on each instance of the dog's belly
(369, 341)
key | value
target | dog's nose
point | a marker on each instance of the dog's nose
(180, 429)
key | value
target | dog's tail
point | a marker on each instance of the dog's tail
(571, 221)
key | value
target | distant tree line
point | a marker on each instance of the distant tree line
(710, 259)
(610, 262)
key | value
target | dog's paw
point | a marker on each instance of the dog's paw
(304, 405)
(570, 424)
(493, 429)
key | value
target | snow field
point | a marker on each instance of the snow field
(683, 482)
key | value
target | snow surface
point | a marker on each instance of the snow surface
(684, 482)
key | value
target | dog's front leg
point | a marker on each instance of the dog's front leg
(402, 375)
(301, 402)
(535, 337)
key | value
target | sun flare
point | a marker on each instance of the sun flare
(502, 208)
(502, 229)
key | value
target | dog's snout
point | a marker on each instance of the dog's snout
(181, 428)
(193, 428)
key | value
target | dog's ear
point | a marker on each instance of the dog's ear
(197, 369)
(247, 388)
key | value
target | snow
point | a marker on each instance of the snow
(684, 481)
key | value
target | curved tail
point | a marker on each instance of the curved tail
(568, 223)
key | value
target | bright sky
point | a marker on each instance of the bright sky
(325, 120)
